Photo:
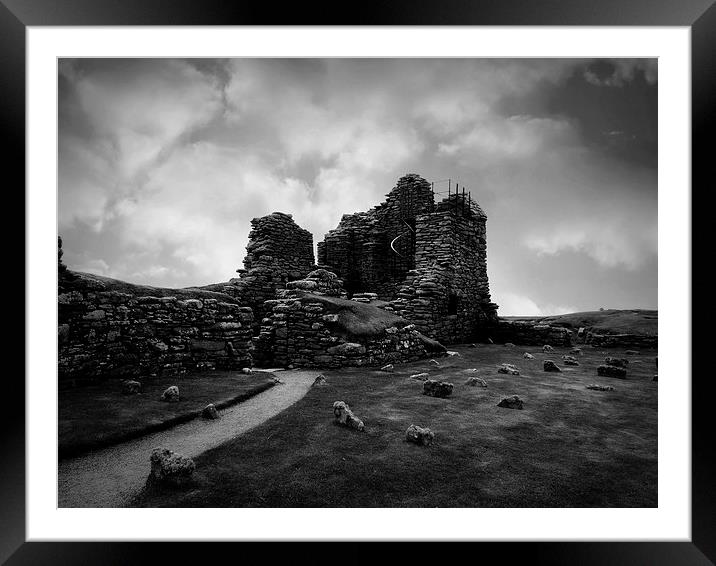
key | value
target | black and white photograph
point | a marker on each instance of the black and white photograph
(377, 282)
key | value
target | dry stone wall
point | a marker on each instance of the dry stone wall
(447, 294)
(302, 330)
(279, 251)
(359, 249)
(119, 330)
(635, 341)
(435, 273)
(528, 334)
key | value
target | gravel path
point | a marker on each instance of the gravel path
(112, 476)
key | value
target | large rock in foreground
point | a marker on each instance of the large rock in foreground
(419, 435)
(169, 468)
(344, 416)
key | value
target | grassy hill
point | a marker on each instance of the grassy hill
(609, 321)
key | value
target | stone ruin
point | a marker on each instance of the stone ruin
(427, 259)
(390, 285)
(278, 252)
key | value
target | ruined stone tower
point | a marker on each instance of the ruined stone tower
(428, 259)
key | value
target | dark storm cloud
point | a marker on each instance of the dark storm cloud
(164, 162)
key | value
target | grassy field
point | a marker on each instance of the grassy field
(569, 447)
(98, 415)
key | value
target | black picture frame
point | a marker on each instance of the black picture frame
(699, 15)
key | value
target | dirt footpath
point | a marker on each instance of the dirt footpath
(111, 477)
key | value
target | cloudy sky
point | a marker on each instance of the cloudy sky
(163, 163)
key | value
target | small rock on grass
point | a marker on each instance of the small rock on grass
(344, 416)
(171, 394)
(509, 369)
(388, 368)
(435, 362)
(473, 381)
(419, 435)
(320, 380)
(247, 370)
(451, 353)
(169, 468)
(131, 387)
(576, 352)
(513, 402)
(420, 376)
(528, 356)
(509, 345)
(570, 361)
(434, 388)
(611, 371)
(596, 387)
(618, 362)
(549, 365)
(547, 348)
(210, 412)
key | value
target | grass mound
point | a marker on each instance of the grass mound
(356, 321)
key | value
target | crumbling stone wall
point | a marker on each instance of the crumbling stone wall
(278, 251)
(359, 249)
(113, 329)
(437, 275)
(635, 341)
(447, 295)
(301, 332)
(530, 334)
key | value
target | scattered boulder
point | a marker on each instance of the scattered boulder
(473, 381)
(528, 356)
(619, 362)
(549, 365)
(434, 388)
(171, 394)
(570, 361)
(344, 416)
(388, 368)
(611, 371)
(513, 402)
(451, 353)
(420, 376)
(435, 362)
(210, 412)
(547, 348)
(247, 370)
(509, 345)
(596, 387)
(131, 387)
(419, 435)
(508, 369)
(170, 468)
(320, 380)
